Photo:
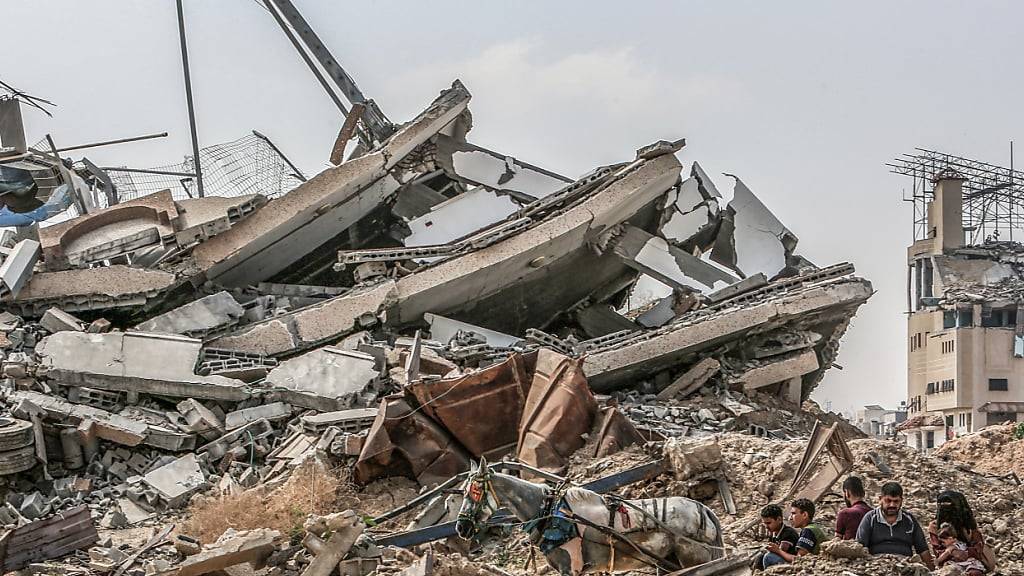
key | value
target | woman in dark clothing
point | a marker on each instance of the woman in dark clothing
(952, 508)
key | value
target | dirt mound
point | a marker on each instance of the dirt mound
(995, 450)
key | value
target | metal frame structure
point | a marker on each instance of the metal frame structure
(992, 194)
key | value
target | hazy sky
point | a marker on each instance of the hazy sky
(803, 100)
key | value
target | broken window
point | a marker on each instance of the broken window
(929, 441)
(998, 385)
(1000, 417)
(948, 319)
(965, 318)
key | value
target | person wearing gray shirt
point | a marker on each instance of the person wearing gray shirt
(889, 529)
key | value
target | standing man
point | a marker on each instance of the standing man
(801, 516)
(848, 519)
(889, 529)
(779, 535)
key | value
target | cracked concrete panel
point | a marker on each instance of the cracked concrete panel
(463, 280)
(125, 362)
(313, 325)
(268, 337)
(459, 217)
(659, 260)
(325, 379)
(759, 241)
(692, 213)
(495, 171)
(198, 318)
(649, 353)
(311, 214)
(778, 369)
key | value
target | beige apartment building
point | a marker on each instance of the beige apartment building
(965, 325)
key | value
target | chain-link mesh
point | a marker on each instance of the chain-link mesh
(249, 165)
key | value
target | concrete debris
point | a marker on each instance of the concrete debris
(203, 317)
(421, 305)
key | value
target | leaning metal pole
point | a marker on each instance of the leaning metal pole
(188, 100)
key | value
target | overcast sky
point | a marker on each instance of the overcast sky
(803, 100)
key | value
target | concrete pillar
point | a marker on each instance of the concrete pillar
(947, 212)
(71, 446)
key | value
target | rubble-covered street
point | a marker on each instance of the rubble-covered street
(377, 369)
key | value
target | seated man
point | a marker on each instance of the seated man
(801, 516)
(889, 529)
(848, 519)
(779, 534)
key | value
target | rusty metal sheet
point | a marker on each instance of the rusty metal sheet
(482, 410)
(559, 409)
(617, 432)
(46, 539)
(405, 442)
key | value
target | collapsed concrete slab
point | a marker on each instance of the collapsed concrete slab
(197, 319)
(316, 211)
(326, 379)
(829, 296)
(107, 426)
(116, 286)
(502, 279)
(128, 362)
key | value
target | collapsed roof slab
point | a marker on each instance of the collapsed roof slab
(318, 210)
(517, 283)
(647, 353)
(527, 272)
(125, 361)
(90, 289)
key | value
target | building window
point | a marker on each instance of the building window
(998, 385)
(929, 439)
(969, 416)
(1000, 417)
(965, 318)
(949, 319)
(948, 347)
(930, 389)
(947, 386)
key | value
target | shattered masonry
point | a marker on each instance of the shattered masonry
(423, 304)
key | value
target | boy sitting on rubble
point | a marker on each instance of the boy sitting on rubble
(779, 535)
(948, 537)
(801, 517)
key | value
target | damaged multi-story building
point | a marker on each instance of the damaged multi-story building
(965, 295)
(153, 337)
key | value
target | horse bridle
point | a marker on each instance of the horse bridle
(480, 489)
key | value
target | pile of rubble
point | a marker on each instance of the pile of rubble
(996, 450)
(422, 304)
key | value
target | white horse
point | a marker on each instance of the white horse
(665, 532)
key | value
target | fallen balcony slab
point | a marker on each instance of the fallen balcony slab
(124, 361)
